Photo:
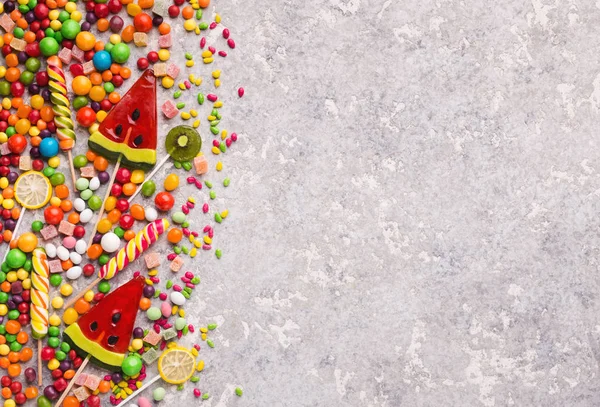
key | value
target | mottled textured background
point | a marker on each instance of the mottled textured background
(413, 208)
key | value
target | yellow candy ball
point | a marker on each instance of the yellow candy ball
(110, 203)
(3, 182)
(55, 201)
(137, 344)
(2, 70)
(54, 320)
(3, 309)
(54, 162)
(167, 82)
(37, 102)
(6, 103)
(104, 226)
(189, 25)
(3, 138)
(4, 349)
(164, 54)
(11, 276)
(97, 93)
(138, 176)
(57, 302)
(101, 115)
(93, 128)
(76, 15)
(88, 296)
(34, 131)
(70, 316)
(133, 9)
(10, 403)
(53, 364)
(27, 284)
(53, 14)
(22, 126)
(115, 39)
(70, 7)
(8, 204)
(171, 182)
(55, 25)
(66, 290)
(22, 274)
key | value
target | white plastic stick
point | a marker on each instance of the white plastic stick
(156, 168)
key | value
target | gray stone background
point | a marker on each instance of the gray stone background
(412, 209)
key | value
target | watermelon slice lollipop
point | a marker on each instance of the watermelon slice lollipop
(103, 334)
(128, 133)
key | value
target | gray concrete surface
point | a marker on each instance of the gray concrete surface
(413, 208)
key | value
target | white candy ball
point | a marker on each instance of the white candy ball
(62, 253)
(151, 214)
(75, 258)
(177, 298)
(74, 272)
(50, 250)
(110, 242)
(94, 184)
(86, 215)
(81, 246)
(79, 204)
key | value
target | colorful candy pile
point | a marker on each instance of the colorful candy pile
(65, 64)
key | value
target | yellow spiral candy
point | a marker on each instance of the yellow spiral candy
(60, 105)
(40, 298)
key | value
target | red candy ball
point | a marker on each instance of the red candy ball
(23, 319)
(122, 205)
(143, 63)
(41, 11)
(53, 215)
(86, 116)
(16, 387)
(57, 374)
(101, 10)
(60, 385)
(37, 164)
(173, 11)
(126, 221)
(142, 22)
(5, 381)
(116, 190)
(20, 398)
(88, 270)
(152, 56)
(93, 401)
(105, 105)
(23, 307)
(164, 201)
(123, 175)
(17, 143)
(78, 232)
(114, 6)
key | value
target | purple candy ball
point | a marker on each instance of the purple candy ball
(138, 332)
(12, 176)
(149, 291)
(9, 224)
(86, 26)
(50, 392)
(116, 24)
(103, 177)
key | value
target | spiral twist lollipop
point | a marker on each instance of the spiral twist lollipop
(60, 105)
(39, 294)
(134, 248)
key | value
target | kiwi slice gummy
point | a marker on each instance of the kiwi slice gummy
(183, 143)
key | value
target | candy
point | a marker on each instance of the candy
(60, 105)
(110, 242)
(134, 249)
(39, 294)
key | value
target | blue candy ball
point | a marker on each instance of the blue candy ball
(48, 147)
(102, 60)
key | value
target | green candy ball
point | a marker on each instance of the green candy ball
(55, 280)
(44, 401)
(131, 365)
(95, 202)
(37, 225)
(49, 46)
(120, 53)
(70, 29)
(16, 258)
(104, 287)
(148, 188)
(33, 64)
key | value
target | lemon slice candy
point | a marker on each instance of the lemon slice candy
(33, 190)
(176, 365)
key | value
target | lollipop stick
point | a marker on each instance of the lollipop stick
(21, 216)
(156, 168)
(73, 380)
(82, 292)
(110, 184)
(39, 372)
(144, 387)
(73, 177)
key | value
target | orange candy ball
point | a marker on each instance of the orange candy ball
(174, 236)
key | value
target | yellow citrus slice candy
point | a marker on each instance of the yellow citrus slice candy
(33, 190)
(176, 365)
